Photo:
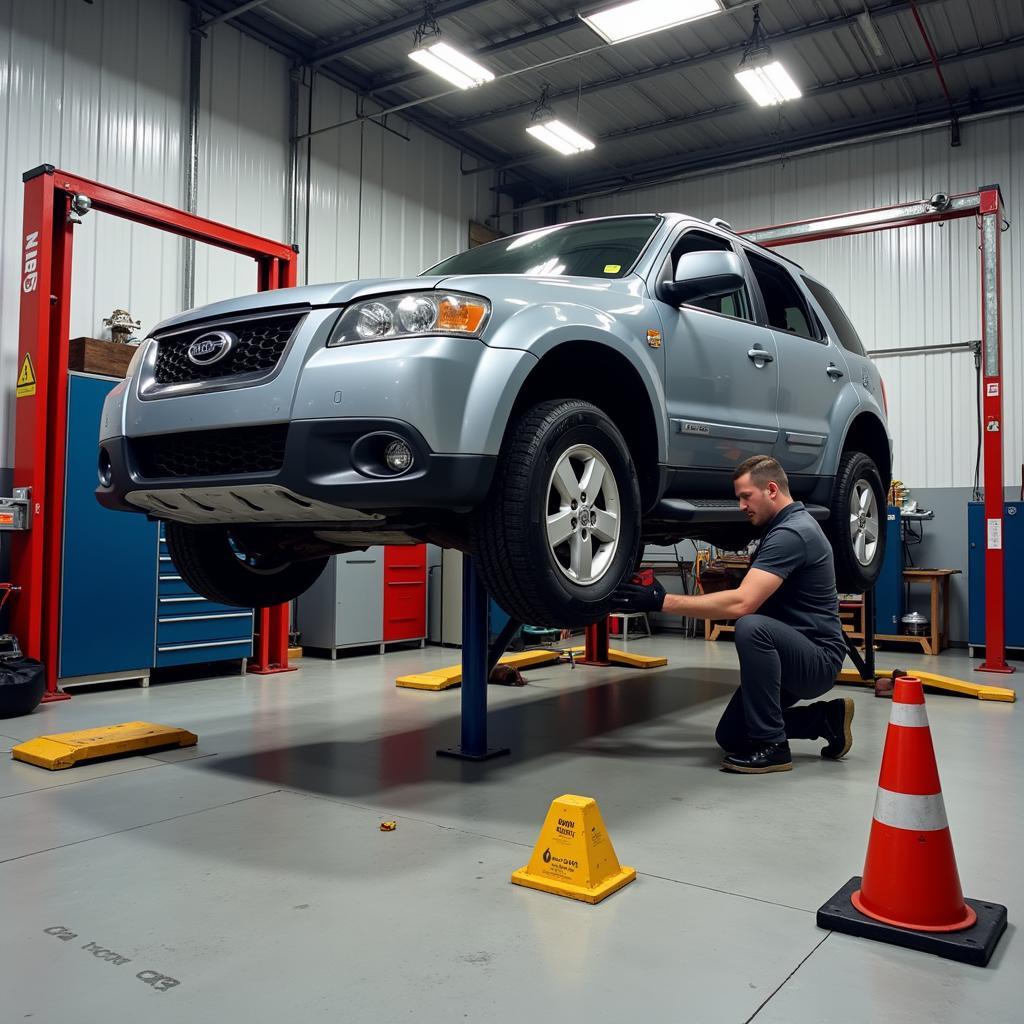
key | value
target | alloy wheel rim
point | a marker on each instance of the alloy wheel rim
(865, 526)
(583, 515)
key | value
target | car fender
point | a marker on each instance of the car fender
(542, 328)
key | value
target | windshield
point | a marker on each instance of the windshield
(594, 248)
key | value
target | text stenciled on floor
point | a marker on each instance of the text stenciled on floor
(159, 982)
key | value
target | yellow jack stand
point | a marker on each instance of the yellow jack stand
(67, 749)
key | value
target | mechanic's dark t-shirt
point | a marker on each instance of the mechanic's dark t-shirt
(795, 549)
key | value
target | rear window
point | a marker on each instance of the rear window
(845, 331)
(783, 302)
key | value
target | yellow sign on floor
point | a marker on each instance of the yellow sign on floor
(574, 856)
(26, 378)
(67, 749)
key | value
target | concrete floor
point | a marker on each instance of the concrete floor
(252, 871)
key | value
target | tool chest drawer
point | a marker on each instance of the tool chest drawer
(169, 654)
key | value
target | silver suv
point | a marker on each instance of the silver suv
(548, 402)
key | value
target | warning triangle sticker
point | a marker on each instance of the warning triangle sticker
(27, 378)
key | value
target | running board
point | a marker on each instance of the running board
(710, 510)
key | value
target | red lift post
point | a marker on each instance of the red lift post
(53, 200)
(986, 206)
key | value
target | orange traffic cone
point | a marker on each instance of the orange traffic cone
(910, 894)
(910, 876)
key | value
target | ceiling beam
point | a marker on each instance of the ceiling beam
(686, 63)
(386, 29)
(234, 12)
(716, 113)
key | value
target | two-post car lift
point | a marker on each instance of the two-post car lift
(54, 204)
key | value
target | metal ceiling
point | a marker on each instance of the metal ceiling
(664, 103)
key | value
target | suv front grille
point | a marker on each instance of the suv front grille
(258, 348)
(233, 452)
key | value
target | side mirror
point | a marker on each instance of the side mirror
(703, 275)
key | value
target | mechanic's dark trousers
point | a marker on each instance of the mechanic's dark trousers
(778, 667)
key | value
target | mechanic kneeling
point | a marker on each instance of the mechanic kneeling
(788, 635)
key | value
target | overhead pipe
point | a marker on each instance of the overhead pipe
(954, 120)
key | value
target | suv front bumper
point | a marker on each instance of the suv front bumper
(329, 472)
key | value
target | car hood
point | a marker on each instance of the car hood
(513, 288)
(334, 294)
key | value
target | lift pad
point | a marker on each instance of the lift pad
(444, 678)
(574, 856)
(937, 682)
(626, 658)
(67, 749)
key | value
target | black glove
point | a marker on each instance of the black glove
(639, 597)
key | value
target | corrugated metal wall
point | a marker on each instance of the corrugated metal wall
(102, 90)
(916, 286)
(382, 202)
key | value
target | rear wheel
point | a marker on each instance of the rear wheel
(237, 569)
(560, 528)
(856, 524)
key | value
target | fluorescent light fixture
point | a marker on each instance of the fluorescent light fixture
(639, 17)
(558, 135)
(769, 84)
(454, 67)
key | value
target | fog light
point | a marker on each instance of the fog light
(398, 456)
(106, 471)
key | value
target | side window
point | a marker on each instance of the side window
(845, 331)
(785, 306)
(736, 304)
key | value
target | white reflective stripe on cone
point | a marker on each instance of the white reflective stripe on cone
(913, 715)
(912, 812)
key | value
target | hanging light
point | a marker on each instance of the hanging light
(760, 74)
(553, 132)
(640, 17)
(441, 58)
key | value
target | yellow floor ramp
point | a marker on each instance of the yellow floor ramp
(443, 678)
(67, 749)
(574, 856)
(937, 682)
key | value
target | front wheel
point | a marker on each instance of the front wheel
(560, 528)
(235, 568)
(856, 524)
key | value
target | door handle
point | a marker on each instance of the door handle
(760, 355)
(834, 372)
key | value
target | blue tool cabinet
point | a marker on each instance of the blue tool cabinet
(124, 607)
(1013, 573)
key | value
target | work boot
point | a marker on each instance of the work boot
(760, 759)
(837, 718)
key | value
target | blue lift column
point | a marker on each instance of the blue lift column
(476, 669)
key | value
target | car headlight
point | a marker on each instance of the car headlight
(407, 316)
(136, 360)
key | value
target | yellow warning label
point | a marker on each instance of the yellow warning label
(27, 378)
(574, 856)
(612, 268)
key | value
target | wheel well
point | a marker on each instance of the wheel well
(596, 373)
(867, 435)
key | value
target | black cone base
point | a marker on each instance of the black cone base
(974, 945)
